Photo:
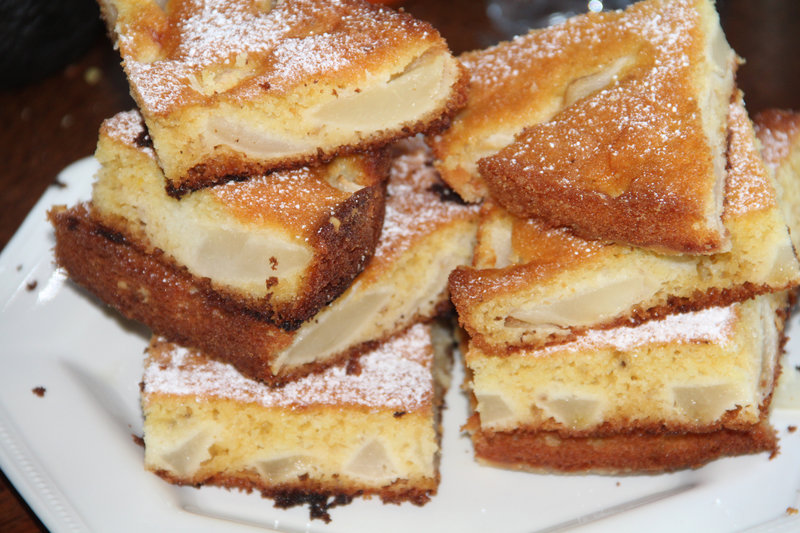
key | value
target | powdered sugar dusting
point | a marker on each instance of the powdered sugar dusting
(203, 47)
(777, 130)
(300, 199)
(397, 375)
(128, 128)
(749, 187)
(413, 206)
(712, 325)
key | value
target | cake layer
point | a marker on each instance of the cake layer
(531, 285)
(670, 393)
(231, 89)
(692, 372)
(335, 435)
(280, 246)
(612, 123)
(424, 237)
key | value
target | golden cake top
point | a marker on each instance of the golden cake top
(633, 160)
(748, 189)
(777, 130)
(396, 375)
(608, 111)
(191, 50)
(299, 200)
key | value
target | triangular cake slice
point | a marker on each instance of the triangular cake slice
(611, 123)
(532, 285)
(230, 89)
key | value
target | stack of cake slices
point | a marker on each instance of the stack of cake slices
(270, 212)
(626, 302)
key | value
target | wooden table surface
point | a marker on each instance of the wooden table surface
(50, 123)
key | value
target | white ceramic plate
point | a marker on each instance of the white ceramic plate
(72, 455)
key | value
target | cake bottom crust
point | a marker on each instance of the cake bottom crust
(318, 496)
(624, 453)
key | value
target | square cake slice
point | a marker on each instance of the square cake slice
(280, 246)
(611, 123)
(426, 233)
(372, 429)
(667, 394)
(234, 88)
(532, 285)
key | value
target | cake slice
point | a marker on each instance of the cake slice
(424, 236)
(234, 88)
(532, 285)
(611, 123)
(668, 394)
(279, 246)
(321, 440)
(779, 133)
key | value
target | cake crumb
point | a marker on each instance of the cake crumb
(31, 285)
(137, 439)
(39, 391)
(791, 429)
(791, 510)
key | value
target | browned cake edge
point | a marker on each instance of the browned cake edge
(144, 287)
(624, 453)
(318, 496)
(222, 168)
(463, 277)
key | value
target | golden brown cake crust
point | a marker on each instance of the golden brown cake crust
(635, 452)
(319, 496)
(467, 283)
(610, 125)
(145, 287)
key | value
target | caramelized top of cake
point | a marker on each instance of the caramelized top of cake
(191, 50)
(777, 129)
(293, 199)
(396, 375)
